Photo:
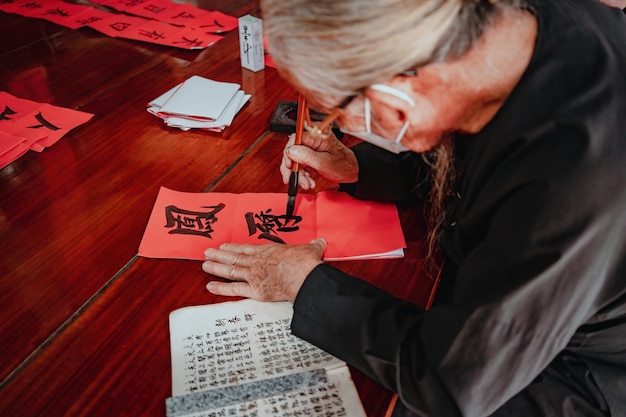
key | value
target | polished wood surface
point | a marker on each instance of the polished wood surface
(83, 319)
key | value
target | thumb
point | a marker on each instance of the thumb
(319, 244)
(302, 155)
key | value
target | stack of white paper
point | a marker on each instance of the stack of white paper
(200, 103)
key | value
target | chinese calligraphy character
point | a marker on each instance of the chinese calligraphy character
(189, 222)
(120, 26)
(57, 12)
(215, 24)
(269, 225)
(132, 3)
(6, 113)
(151, 35)
(184, 15)
(246, 45)
(44, 123)
(31, 5)
(190, 42)
(85, 22)
(154, 8)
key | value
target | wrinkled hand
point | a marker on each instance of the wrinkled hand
(325, 154)
(272, 272)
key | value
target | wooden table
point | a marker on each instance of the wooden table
(83, 319)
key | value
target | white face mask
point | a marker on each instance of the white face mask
(368, 136)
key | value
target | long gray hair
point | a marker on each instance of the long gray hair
(339, 47)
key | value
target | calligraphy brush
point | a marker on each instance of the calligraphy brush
(295, 168)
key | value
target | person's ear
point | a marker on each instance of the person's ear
(391, 103)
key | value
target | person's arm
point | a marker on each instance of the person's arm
(374, 332)
(385, 176)
(530, 279)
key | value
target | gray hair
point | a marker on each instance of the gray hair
(339, 47)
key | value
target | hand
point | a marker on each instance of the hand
(325, 154)
(615, 3)
(272, 272)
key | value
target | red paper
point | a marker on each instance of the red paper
(11, 148)
(155, 21)
(62, 13)
(30, 136)
(269, 62)
(151, 9)
(23, 7)
(39, 125)
(116, 25)
(90, 15)
(182, 225)
(217, 22)
(54, 121)
(154, 32)
(184, 15)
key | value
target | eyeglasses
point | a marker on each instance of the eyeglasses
(323, 128)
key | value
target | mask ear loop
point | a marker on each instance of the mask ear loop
(367, 115)
(402, 132)
(394, 92)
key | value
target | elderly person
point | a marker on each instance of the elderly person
(507, 119)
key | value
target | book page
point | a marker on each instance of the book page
(237, 342)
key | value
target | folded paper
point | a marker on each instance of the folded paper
(27, 124)
(199, 103)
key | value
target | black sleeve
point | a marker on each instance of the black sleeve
(376, 333)
(384, 176)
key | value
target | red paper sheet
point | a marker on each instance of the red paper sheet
(11, 148)
(182, 225)
(62, 13)
(157, 21)
(39, 125)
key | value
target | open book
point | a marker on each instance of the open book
(240, 359)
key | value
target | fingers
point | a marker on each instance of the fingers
(231, 272)
(230, 289)
(285, 167)
(229, 254)
(305, 153)
(231, 262)
(227, 264)
(314, 153)
(295, 154)
(305, 181)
